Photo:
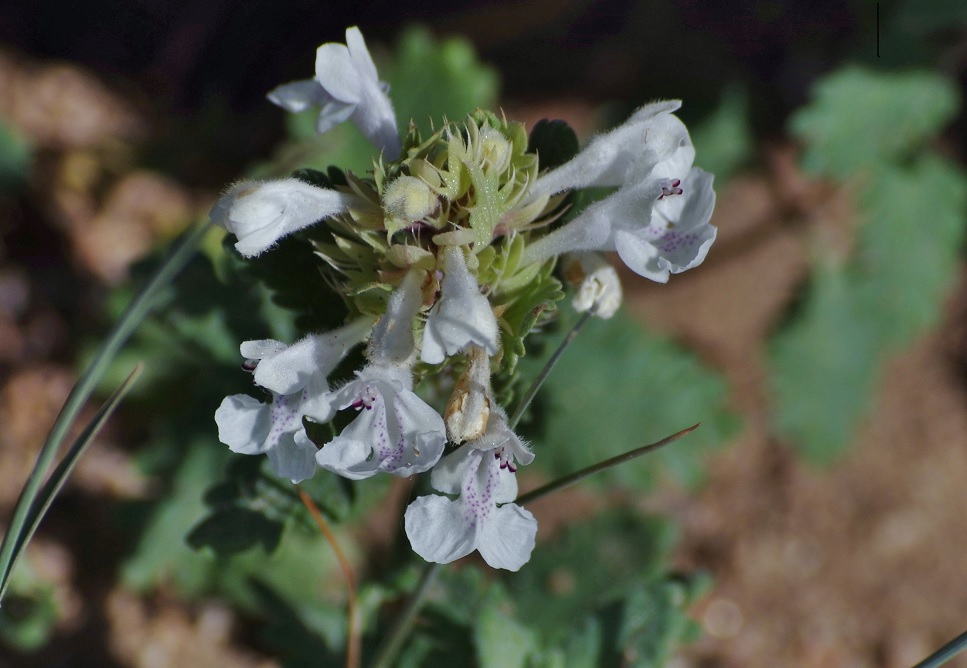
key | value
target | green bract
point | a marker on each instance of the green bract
(464, 185)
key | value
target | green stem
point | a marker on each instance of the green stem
(568, 480)
(945, 653)
(132, 317)
(549, 366)
(401, 629)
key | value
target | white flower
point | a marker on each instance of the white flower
(250, 427)
(659, 227)
(296, 378)
(392, 341)
(396, 431)
(461, 316)
(678, 235)
(482, 517)
(346, 87)
(658, 220)
(596, 282)
(652, 141)
(261, 213)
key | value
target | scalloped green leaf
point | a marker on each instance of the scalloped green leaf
(861, 118)
(619, 387)
(824, 367)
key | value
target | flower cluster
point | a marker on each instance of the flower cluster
(445, 257)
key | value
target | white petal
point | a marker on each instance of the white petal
(260, 214)
(422, 435)
(392, 342)
(438, 530)
(596, 282)
(260, 349)
(349, 76)
(299, 95)
(293, 458)
(332, 114)
(450, 472)
(337, 73)
(243, 424)
(292, 368)
(508, 539)
(461, 316)
(594, 229)
(360, 54)
(348, 456)
(395, 431)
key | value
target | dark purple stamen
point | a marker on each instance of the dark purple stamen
(671, 188)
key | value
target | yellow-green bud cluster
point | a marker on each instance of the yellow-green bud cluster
(465, 185)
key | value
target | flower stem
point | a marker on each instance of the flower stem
(549, 366)
(352, 628)
(945, 653)
(404, 623)
(561, 483)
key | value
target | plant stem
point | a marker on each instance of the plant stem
(353, 655)
(945, 653)
(401, 629)
(549, 366)
(561, 483)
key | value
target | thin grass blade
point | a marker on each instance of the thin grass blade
(129, 321)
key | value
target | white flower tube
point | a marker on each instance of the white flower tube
(261, 213)
(346, 87)
(296, 377)
(652, 141)
(462, 316)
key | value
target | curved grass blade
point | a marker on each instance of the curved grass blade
(129, 321)
(568, 480)
(57, 479)
(945, 653)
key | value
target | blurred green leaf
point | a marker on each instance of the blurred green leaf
(431, 79)
(654, 622)
(912, 203)
(554, 142)
(823, 367)
(589, 566)
(582, 646)
(229, 531)
(860, 119)
(619, 387)
(723, 141)
(15, 157)
(910, 245)
(162, 554)
(30, 611)
(501, 640)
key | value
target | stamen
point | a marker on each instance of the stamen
(670, 187)
(249, 365)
